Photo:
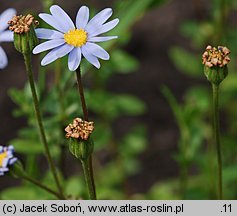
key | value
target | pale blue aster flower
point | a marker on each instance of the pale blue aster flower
(6, 158)
(77, 41)
(5, 35)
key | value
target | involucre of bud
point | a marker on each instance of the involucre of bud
(17, 170)
(216, 74)
(25, 38)
(81, 149)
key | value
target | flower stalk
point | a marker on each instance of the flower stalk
(81, 92)
(25, 40)
(87, 162)
(44, 187)
(216, 127)
(27, 59)
(62, 114)
(89, 177)
(17, 171)
(215, 62)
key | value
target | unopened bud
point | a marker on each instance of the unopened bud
(215, 62)
(25, 38)
(17, 170)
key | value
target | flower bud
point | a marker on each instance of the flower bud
(25, 38)
(80, 144)
(17, 170)
(215, 62)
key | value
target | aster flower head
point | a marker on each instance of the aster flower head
(6, 158)
(5, 35)
(76, 40)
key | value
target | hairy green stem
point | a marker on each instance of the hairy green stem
(183, 180)
(27, 59)
(44, 187)
(216, 125)
(211, 170)
(88, 173)
(184, 164)
(81, 92)
(87, 164)
(62, 114)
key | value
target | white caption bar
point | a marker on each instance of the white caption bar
(118, 208)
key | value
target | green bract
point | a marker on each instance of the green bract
(81, 149)
(216, 74)
(26, 42)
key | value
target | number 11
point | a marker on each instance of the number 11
(227, 208)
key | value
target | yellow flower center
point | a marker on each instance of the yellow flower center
(3, 155)
(76, 37)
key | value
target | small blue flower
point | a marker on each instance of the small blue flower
(5, 35)
(6, 158)
(76, 41)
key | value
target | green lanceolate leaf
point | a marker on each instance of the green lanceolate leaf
(186, 62)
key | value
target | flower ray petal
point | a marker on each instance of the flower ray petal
(104, 28)
(64, 50)
(48, 45)
(97, 51)
(3, 58)
(99, 19)
(62, 17)
(43, 33)
(101, 39)
(50, 57)
(74, 59)
(5, 17)
(6, 36)
(51, 21)
(82, 17)
(90, 57)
